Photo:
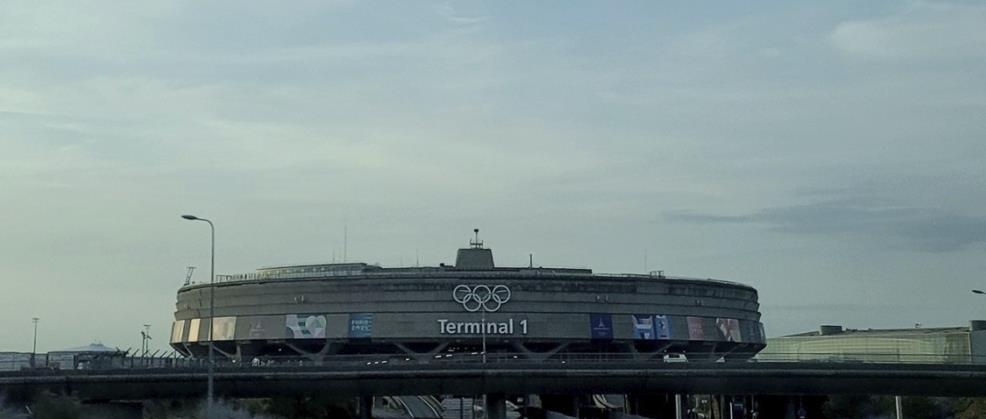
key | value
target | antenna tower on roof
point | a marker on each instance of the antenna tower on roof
(188, 276)
(476, 243)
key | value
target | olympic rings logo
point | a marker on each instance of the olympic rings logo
(474, 298)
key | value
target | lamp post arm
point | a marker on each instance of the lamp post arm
(212, 317)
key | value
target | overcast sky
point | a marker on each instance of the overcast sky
(832, 155)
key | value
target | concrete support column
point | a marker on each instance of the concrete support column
(366, 407)
(677, 407)
(900, 407)
(496, 406)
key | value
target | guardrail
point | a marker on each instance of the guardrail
(603, 358)
(499, 359)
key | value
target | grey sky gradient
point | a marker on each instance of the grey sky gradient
(831, 154)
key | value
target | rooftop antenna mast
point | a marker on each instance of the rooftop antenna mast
(476, 243)
(145, 337)
(188, 275)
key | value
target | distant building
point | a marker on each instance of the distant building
(94, 355)
(917, 344)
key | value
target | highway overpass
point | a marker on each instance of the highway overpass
(740, 378)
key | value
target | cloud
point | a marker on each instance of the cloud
(923, 30)
(924, 229)
(450, 13)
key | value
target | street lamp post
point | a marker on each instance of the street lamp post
(34, 347)
(976, 357)
(212, 312)
(483, 323)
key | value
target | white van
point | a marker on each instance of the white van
(675, 357)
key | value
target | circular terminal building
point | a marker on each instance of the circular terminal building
(318, 312)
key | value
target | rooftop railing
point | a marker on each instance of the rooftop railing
(371, 271)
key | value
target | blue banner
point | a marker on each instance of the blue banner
(360, 325)
(601, 326)
(643, 327)
(662, 327)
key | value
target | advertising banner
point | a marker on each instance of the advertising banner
(360, 325)
(265, 327)
(695, 331)
(662, 327)
(729, 329)
(177, 330)
(257, 330)
(224, 327)
(643, 327)
(193, 330)
(601, 326)
(305, 326)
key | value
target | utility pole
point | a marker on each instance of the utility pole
(34, 348)
(212, 314)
